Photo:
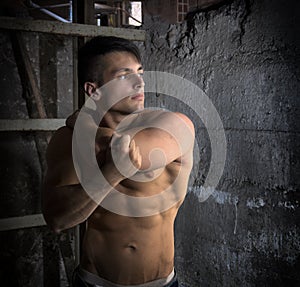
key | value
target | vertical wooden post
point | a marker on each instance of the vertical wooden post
(83, 13)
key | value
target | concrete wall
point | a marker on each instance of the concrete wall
(245, 56)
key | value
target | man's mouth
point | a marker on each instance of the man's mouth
(138, 97)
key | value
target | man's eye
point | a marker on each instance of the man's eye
(126, 76)
(122, 77)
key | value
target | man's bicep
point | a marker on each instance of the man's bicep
(157, 148)
(166, 143)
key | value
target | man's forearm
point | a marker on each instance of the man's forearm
(66, 206)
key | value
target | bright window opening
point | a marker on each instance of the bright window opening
(136, 13)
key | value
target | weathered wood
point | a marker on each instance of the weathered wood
(89, 12)
(70, 29)
(31, 93)
(67, 254)
(27, 73)
(205, 4)
(22, 222)
(31, 124)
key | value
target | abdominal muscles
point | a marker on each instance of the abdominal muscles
(127, 250)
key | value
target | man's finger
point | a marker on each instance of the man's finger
(120, 139)
(132, 145)
(125, 140)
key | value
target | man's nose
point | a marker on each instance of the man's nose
(138, 81)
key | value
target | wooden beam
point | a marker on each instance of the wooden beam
(31, 92)
(89, 12)
(31, 125)
(27, 74)
(22, 222)
(70, 29)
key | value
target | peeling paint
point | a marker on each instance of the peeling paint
(201, 192)
(220, 197)
(288, 205)
(255, 203)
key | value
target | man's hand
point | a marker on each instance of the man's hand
(124, 156)
(103, 135)
(102, 143)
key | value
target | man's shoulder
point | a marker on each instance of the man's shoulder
(63, 134)
(186, 120)
(60, 143)
(165, 118)
(162, 114)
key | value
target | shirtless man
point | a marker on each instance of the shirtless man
(136, 245)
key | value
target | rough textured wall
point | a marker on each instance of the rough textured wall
(245, 56)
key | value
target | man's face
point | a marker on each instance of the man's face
(123, 85)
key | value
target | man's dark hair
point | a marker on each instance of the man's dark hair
(90, 66)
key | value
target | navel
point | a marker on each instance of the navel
(132, 247)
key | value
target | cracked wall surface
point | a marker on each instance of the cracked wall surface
(245, 57)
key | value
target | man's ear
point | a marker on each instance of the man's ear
(92, 91)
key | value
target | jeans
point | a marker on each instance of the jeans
(78, 281)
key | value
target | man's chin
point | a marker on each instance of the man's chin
(136, 108)
(139, 109)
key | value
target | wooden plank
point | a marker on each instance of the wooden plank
(79, 17)
(89, 12)
(67, 254)
(70, 29)
(77, 248)
(22, 222)
(31, 125)
(27, 73)
(76, 88)
(31, 92)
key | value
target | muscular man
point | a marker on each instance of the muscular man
(145, 157)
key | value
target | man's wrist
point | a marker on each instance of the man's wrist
(112, 174)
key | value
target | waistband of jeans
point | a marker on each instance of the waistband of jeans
(94, 279)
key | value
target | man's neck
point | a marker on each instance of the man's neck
(112, 119)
